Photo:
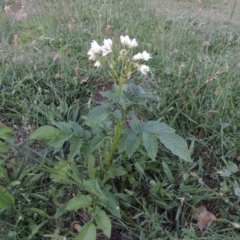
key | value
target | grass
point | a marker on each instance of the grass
(195, 76)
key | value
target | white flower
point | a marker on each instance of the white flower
(95, 49)
(145, 56)
(125, 40)
(137, 57)
(107, 47)
(97, 64)
(142, 56)
(133, 43)
(92, 55)
(143, 69)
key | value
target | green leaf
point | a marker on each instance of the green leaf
(237, 191)
(96, 143)
(232, 167)
(135, 125)
(139, 168)
(75, 147)
(76, 203)
(92, 187)
(87, 232)
(91, 164)
(44, 132)
(133, 142)
(103, 222)
(151, 144)
(168, 172)
(6, 199)
(5, 130)
(65, 127)
(61, 170)
(3, 172)
(96, 115)
(176, 145)
(110, 95)
(117, 114)
(157, 128)
(35, 228)
(3, 147)
(59, 140)
(39, 211)
(77, 129)
(122, 143)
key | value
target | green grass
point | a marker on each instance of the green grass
(195, 69)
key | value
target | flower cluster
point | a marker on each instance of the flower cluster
(97, 51)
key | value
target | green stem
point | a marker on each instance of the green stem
(115, 142)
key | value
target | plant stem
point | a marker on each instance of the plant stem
(115, 142)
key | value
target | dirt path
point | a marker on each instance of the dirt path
(215, 10)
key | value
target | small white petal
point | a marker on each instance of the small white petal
(92, 55)
(95, 47)
(125, 40)
(133, 43)
(97, 64)
(146, 56)
(137, 57)
(108, 42)
(107, 47)
(144, 69)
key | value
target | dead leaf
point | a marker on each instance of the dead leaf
(203, 217)
(16, 40)
(2, 124)
(108, 30)
(193, 174)
(76, 70)
(16, 12)
(238, 158)
(181, 200)
(85, 80)
(77, 227)
(56, 56)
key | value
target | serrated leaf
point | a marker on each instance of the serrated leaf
(103, 222)
(157, 128)
(44, 132)
(6, 199)
(76, 203)
(87, 232)
(176, 145)
(133, 142)
(151, 144)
